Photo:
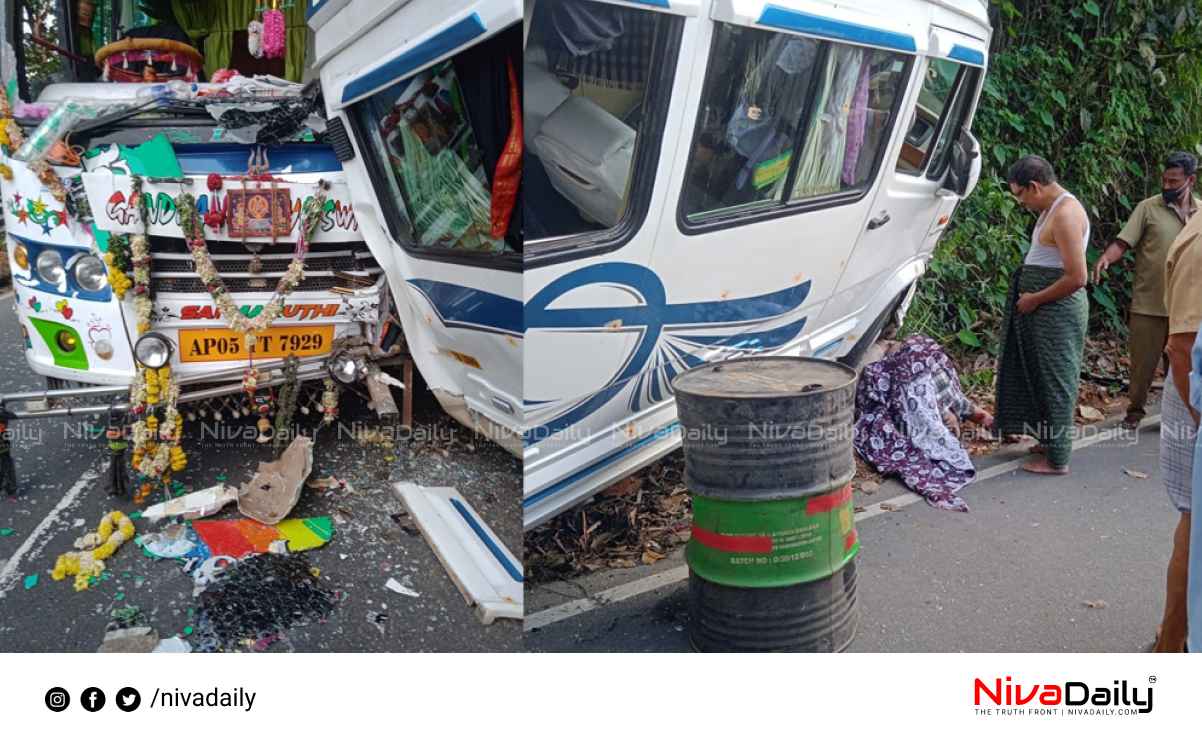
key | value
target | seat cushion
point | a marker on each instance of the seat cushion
(542, 93)
(588, 131)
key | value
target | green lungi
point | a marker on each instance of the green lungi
(1040, 366)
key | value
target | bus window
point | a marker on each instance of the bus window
(760, 88)
(850, 123)
(588, 69)
(956, 120)
(938, 86)
(431, 137)
(754, 95)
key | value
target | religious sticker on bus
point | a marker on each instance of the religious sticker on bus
(259, 212)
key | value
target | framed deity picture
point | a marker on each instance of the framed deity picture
(260, 212)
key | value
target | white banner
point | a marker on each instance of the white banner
(527, 697)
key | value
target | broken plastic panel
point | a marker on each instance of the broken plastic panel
(484, 570)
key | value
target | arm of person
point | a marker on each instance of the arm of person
(1068, 230)
(1113, 254)
(1179, 349)
(1131, 234)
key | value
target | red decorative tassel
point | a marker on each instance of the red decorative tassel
(508, 174)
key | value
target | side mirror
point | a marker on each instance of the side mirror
(964, 170)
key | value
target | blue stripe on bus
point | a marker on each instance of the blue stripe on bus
(314, 6)
(472, 309)
(405, 63)
(598, 465)
(829, 28)
(967, 55)
(493, 547)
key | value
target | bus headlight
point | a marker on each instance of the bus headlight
(346, 369)
(90, 273)
(50, 267)
(21, 257)
(153, 350)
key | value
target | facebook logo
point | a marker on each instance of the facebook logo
(92, 699)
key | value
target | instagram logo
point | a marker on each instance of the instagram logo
(57, 699)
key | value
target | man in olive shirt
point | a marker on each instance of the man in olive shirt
(1179, 421)
(1150, 231)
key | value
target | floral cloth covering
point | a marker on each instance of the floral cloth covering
(899, 423)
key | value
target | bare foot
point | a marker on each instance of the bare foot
(1041, 466)
(1038, 449)
(982, 418)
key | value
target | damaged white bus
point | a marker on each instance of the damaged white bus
(182, 227)
(707, 178)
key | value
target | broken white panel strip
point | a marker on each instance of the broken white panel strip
(484, 570)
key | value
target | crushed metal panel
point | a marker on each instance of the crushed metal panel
(484, 570)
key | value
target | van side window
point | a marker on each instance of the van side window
(956, 119)
(753, 101)
(588, 70)
(938, 86)
(786, 118)
(853, 106)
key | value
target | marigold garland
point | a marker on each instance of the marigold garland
(16, 136)
(115, 530)
(311, 214)
(117, 258)
(156, 442)
(156, 448)
(139, 249)
(53, 183)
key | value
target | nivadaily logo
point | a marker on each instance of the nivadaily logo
(1061, 698)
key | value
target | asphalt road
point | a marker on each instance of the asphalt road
(62, 473)
(1016, 574)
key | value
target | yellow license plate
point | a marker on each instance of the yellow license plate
(214, 344)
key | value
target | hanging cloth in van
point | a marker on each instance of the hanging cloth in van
(584, 28)
(821, 166)
(761, 130)
(857, 124)
(610, 50)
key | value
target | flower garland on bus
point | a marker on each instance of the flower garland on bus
(311, 214)
(120, 263)
(157, 451)
(139, 252)
(156, 442)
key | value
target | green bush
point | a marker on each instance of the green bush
(1103, 91)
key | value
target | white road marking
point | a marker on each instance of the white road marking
(609, 596)
(655, 582)
(32, 543)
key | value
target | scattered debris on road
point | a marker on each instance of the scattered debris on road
(130, 640)
(486, 573)
(195, 505)
(251, 604)
(397, 587)
(276, 487)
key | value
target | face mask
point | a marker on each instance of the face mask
(1171, 196)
